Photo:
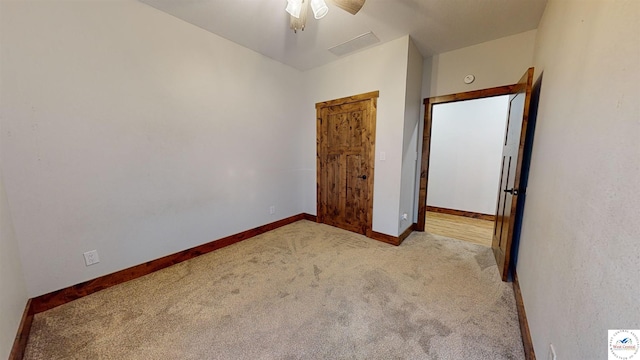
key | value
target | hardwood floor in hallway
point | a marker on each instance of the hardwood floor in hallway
(477, 231)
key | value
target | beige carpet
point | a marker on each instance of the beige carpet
(304, 291)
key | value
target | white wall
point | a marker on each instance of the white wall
(494, 63)
(466, 154)
(382, 68)
(131, 132)
(13, 296)
(413, 104)
(578, 261)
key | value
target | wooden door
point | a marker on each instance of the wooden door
(346, 133)
(512, 155)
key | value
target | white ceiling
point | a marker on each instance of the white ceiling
(436, 26)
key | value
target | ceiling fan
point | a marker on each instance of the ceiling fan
(298, 10)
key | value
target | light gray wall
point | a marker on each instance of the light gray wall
(382, 68)
(129, 131)
(579, 253)
(13, 293)
(494, 63)
(413, 104)
(466, 154)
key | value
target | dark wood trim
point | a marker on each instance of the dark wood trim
(63, 296)
(477, 94)
(320, 145)
(393, 240)
(371, 153)
(469, 214)
(522, 318)
(426, 136)
(424, 165)
(349, 99)
(22, 336)
(405, 234)
(310, 217)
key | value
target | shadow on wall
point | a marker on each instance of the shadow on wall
(524, 177)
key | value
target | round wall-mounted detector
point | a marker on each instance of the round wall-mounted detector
(469, 79)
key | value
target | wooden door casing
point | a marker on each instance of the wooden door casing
(345, 160)
(426, 138)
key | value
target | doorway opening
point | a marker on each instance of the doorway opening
(513, 153)
(429, 104)
(464, 168)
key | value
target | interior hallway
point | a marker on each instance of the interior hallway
(477, 231)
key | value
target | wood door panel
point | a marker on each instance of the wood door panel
(355, 204)
(345, 163)
(344, 128)
(512, 153)
(332, 183)
(505, 210)
(334, 126)
(500, 207)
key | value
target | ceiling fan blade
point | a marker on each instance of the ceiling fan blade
(351, 6)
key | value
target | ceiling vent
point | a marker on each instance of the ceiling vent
(357, 43)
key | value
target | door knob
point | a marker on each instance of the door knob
(363, 177)
(511, 191)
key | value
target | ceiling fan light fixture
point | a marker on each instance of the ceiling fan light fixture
(299, 23)
(319, 8)
(294, 7)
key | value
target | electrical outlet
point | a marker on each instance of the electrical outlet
(405, 217)
(272, 209)
(552, 352)
(91, 257)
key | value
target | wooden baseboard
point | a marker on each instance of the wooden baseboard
(393, 240)
(22, 336)
(63, 296)
(469, 214)
(522, 318)
(407, 232)
(310, 217)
